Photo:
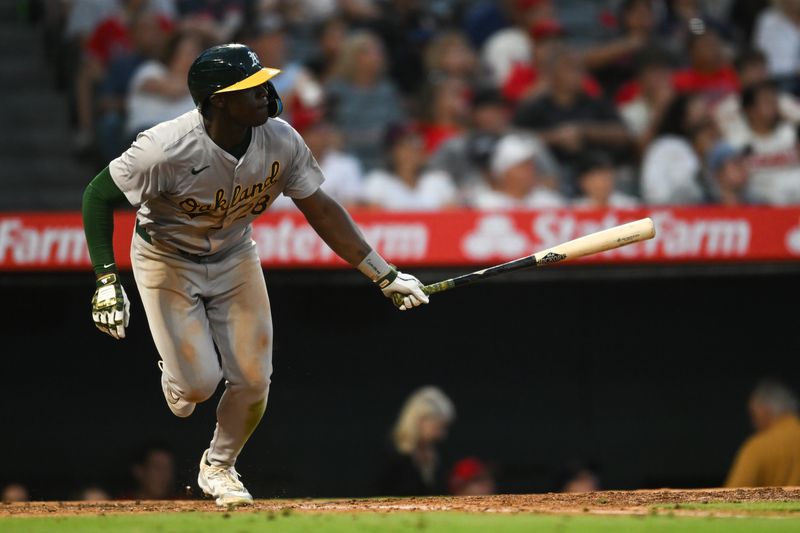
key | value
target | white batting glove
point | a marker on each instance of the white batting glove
(110, 306)
(404, 289)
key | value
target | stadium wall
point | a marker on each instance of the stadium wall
(644, 372)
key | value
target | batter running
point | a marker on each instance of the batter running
(199, 181)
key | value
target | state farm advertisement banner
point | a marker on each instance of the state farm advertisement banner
(55, 241)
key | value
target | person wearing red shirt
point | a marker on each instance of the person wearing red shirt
(708, 71)
(445, 111)
(109, 40)
(528, 80)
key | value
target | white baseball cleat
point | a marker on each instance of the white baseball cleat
(222, 483)
(176, 404)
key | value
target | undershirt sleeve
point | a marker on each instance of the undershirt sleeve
(99, 200)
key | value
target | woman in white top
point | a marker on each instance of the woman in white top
(405, 185)
(671, 167)
(158, 90)
(777, 33)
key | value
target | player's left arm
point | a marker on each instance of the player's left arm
(334, 225)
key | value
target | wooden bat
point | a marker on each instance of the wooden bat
(608, 239)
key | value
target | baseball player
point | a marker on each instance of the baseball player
(198, 182)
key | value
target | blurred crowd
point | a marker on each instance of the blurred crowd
(412, 465)
(426, 105)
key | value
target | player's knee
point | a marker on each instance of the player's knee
(202, 389)
(255, 377)
(257, 387)
(254, 387)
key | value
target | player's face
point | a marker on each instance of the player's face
(248, 107)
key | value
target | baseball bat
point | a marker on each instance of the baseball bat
(601, 241)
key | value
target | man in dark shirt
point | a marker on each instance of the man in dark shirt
(568, 120)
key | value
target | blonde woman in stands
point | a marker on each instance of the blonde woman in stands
(412, 465)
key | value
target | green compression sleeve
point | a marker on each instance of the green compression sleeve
(99, 200)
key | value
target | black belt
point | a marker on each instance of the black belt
(141, 232)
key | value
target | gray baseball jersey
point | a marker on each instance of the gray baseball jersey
(197, 197)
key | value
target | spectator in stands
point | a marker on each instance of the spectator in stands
(684, 17)
(150, 34)
(471, 477)
(671, 167)
(597, 183)
(777, 34)
(466, 157)
(654, 92)
(771, 146)
(614, 62)
(580, 477)
(110, 38)
(216, 21)
(444, 109)
(331, 36)
(449, 55)
(93, 493)
(709, 71)
(158, 89)
(363, 102)
(405, 184)
(84, 16)
(412, 466)
(728, 175)
(771, 457)
(704, 137)
(486, 18)
(517, 181)
(513, 45)
(529, 80)
(568, 120)
(14, 492)
(300, 92)
(743, 15)
(344, 180)
(153, 471)
(404, 29)
(751, 66)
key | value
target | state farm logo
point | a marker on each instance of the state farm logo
(495, 236)
(793, 240)
(680, 235)
(289, 240)
(24, 245)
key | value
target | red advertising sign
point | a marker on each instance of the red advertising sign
(55, 241)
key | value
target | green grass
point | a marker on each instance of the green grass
(786, 507)
(394, 523)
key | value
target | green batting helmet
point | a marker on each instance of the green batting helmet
(230, 67)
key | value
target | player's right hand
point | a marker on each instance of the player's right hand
(110, 306)
(404, 289)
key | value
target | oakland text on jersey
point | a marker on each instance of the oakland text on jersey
(222, 207)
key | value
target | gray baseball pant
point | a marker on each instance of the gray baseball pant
(194, 306)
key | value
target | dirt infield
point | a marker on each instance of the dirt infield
(606, 502)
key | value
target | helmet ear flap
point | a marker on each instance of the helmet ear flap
(275, 106)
